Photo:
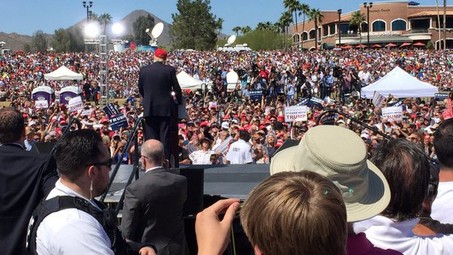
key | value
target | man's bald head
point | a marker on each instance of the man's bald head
(153, 151)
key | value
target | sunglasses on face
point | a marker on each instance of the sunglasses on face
(107, 163)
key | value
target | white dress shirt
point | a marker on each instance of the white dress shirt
(71, 231)
(442, 208)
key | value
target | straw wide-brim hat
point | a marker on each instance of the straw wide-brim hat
(340, 155)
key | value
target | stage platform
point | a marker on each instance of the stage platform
(228, 181)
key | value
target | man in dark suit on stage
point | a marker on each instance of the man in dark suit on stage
(25, 178)
(153, 205)
(161, 93)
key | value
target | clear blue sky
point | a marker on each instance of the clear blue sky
(29, 16)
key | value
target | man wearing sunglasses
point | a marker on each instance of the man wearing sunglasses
(83, 163)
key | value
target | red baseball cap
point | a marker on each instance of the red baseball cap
(160, 53)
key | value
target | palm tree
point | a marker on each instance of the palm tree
(219, 25)
(293, 6)
(236, 29)
(104, 19)
(246, 29)
(304, 10)
(356, 21)
(284, 22)
(316, 16)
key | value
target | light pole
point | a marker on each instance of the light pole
(339, 27)
(368, 6)
(88, 5)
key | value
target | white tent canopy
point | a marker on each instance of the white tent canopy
(399, 84)
(63, 74)
(188, 82)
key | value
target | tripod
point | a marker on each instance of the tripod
(132, 139)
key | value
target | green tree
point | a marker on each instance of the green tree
(219, 26)
(293, 6)
(356, 21)
(104, 19)
(39, 41)
(316, 16)
(283, 23)
(140, 26)
(304, 10)
(76, 39)
(265, 26)
(27, 47)
(194, 26)
(262, 40)
(61, 41)
(246, 30)
(236, 30)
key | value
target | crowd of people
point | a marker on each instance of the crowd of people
(216, 113)
(365, 185)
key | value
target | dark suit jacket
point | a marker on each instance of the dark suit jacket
(153, 211)
(155, 83)
(23, 183)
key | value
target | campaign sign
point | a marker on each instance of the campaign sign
(296, 113)
(41, 104)
(378, 99)
(75, 104)
(256, 95)
(441, 96)
(86, 112)
(117, 122)
(394, 113)
(329, 119)
(223, 147)
(111, 110)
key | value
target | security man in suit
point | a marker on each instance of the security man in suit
(153, 205)
(25, 178)
(161, 93)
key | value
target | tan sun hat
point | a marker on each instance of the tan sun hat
(340, 155)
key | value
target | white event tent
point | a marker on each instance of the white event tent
(188, 82)
(399, 84)
(63, 74)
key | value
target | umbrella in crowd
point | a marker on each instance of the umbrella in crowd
(419, 44)
(389, 45)
(405, 44)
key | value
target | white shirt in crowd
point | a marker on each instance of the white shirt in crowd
(240, 152)
(441, 209)
(201, 157)
(71, 231)
(386, 233)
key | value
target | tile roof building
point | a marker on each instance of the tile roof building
(399, 23)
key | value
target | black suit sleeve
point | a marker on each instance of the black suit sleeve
(132, 213)
(176, 87)
(49, 176)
